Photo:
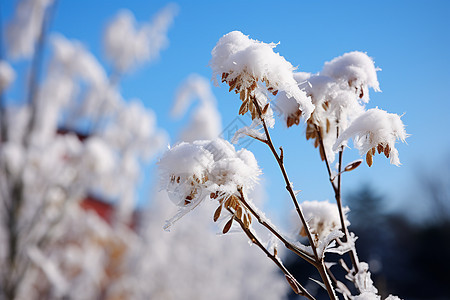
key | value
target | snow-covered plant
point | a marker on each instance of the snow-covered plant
(332, 105)
(209, 169)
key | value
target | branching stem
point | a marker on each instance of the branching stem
(296, 286)
(288, 244)
(337, 193)
(319, 263)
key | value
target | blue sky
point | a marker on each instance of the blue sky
(409, 41)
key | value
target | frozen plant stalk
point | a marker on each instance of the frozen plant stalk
(332, 104)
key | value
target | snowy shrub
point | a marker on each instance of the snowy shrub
(332, 105)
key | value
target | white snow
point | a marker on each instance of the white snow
(128, 45)
(322, 217)
(205, 120)
(24, 29)
(375, 127)
(7, 75)
(239, 56)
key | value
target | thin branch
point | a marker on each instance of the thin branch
(320, 266)
(339, 284)
(322, 147)
(288, 244)
(337, 193)
(296, 286)
(286, 178)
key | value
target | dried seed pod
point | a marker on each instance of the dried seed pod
(369, 159)
(239, 213)
(352, 165)
(233, 201)
(266, 107)
(246, 223)
(224, 77)
(275, 92)
(373, 151)
(322, 153)
(217, 213)
(232, 84)
(310, 131)
(380, 148)
(244, 108)
(293, 284)
(243, 95)
(228, 202)
(387, 150)
(227, 226)
(328, 125)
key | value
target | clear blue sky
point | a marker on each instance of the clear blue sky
(409, 40)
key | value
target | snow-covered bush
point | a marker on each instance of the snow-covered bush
(332, 105)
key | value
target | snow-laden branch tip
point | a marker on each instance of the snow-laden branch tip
(191, 172)
(375, 129)
(243, 62)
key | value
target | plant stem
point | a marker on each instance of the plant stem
(288, 245)
(320, 266)
(337, 194)
(296, 286)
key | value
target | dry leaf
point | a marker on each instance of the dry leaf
(369, 159)
(217, 213)
(352, 165)
(293, 284)
(227, 226)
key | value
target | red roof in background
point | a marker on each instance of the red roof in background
(103, 209)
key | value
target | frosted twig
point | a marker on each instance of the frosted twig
(319, 261)
(306, 256)
(337, 192)
(295, 285)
